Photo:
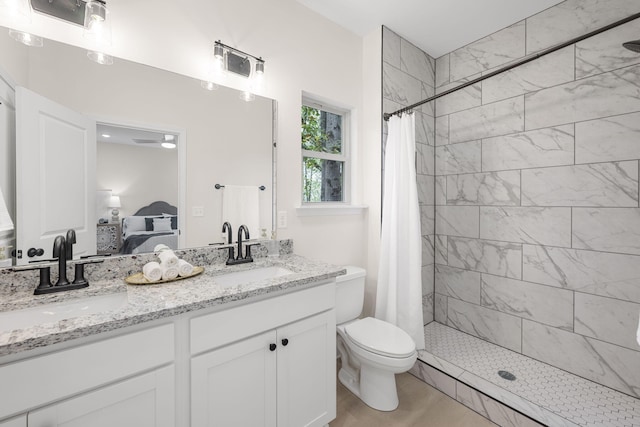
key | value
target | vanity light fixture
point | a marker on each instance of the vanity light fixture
(237, 61)
(97, 29)
(20, 13)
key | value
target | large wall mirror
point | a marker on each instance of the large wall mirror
(134, 112)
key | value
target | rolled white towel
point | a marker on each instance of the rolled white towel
(161, 247)
(168, 258)
(184, 268)
(168, 272)
(152, 271)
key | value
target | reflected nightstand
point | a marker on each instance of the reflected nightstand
(108, 238)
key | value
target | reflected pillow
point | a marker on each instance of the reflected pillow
(149, 221)
(132, 224)
(174, 220)
(161, 224)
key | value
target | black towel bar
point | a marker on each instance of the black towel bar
(219, 186)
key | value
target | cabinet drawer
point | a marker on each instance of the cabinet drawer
(44, 379)
(223, 327)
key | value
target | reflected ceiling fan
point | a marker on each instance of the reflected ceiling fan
(167, 141)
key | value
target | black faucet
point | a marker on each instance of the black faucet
(239, 259)
(226, 228)
(60, 252)
(246, 235)
(70, 241)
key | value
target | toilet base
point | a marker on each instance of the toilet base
(376, 388)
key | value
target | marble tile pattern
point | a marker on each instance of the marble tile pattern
(489, 52)
(545, 304)
(150, 302)
(548, 395)
(460, 221)
(608, 139)
(543, 147)
(599, 184)
(544, 226)
(548, 155)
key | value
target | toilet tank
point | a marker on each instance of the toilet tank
(350, 294)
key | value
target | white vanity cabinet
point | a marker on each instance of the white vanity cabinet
(143, 401)
(96, 384)
(277, 369)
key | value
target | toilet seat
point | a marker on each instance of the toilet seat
(381, 338)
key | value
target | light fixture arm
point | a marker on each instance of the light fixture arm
(233, 49)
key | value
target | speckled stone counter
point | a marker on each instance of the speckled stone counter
(150, 302)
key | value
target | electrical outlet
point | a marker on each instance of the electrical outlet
(197, 211)
(282, 219)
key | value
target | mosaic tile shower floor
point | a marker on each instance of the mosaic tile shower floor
(538, 386)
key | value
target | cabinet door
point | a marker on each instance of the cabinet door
(307, 371)
(144, 401)
(20, 421)
(235, 385)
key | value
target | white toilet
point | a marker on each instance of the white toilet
(372, 351)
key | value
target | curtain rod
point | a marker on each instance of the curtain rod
(516, 64)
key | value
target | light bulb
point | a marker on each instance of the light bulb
(169, 145)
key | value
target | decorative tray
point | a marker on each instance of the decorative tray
(139, 279)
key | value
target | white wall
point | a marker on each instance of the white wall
(139, 175)
(303, 52)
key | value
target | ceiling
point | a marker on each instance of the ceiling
(128, 136)
(435, 26)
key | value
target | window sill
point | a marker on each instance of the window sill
(330, 210)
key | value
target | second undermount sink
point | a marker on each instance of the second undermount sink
(253, 275)
(48, 313)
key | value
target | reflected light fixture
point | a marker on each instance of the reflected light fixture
(99, 57)
(168, 141)
(20, 13)
(247, 96)
(208, 85)
(26, 38)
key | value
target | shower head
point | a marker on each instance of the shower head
(633, 45)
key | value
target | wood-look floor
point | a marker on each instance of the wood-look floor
(420, 405)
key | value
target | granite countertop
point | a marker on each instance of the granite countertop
(150, 302)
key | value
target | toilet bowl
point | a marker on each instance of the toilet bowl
(372, 351)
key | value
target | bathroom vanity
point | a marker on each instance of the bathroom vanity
(199, 352)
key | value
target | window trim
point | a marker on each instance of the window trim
(345, 157)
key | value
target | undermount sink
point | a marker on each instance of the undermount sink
(253, 275)
(48, 313)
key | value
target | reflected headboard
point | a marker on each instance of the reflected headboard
(157, 208)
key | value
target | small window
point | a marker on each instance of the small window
(325, 161)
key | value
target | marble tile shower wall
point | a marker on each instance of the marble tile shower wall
(537, 218)
(408, 77)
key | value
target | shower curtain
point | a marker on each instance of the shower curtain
(399, 294)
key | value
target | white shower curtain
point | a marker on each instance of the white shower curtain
(399, 294)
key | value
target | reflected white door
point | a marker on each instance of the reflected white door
(55, 177)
